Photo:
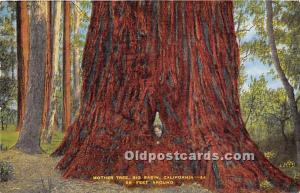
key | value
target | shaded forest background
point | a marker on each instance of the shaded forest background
(266, 110)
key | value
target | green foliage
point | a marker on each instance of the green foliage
(7, 63)
(270, 155)
(56, 140)
(265, 185)
(265, 111)
(6, 171)
(83, 9)
(288, 164)
(251, 15)
(9, 137)
(268, 121)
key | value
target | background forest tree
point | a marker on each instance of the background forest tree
(9, 66)
(266, 109)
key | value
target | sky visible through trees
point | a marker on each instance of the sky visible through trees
(256, 68)
(252, 68)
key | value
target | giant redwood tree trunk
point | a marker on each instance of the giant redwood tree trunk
(179, 59)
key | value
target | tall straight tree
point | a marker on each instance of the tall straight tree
(286, 84)
(48, 70)
(12, 48)
(29, 137)
(66, 119)
(23, 58)
(76, 56)
(52, 120)
(180, 59)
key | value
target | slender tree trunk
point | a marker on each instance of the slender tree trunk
(55, 59)
(2, 125)
(287, 86)
(23, 58)
(29, 137)
(285, 138)
(66, 68)
(12, 53)
(180, 59)
(52, 123)
(51, 120)
(48, 72)
(76, 58)
(12, 50)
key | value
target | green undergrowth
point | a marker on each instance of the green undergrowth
(9, 137)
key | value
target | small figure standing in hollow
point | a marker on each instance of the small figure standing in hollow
(157, 126)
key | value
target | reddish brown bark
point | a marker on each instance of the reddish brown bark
(76, 58)
(180, 59)
(48, 70)
(66, 68)
(23, 58)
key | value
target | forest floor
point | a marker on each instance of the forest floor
(36, 174)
